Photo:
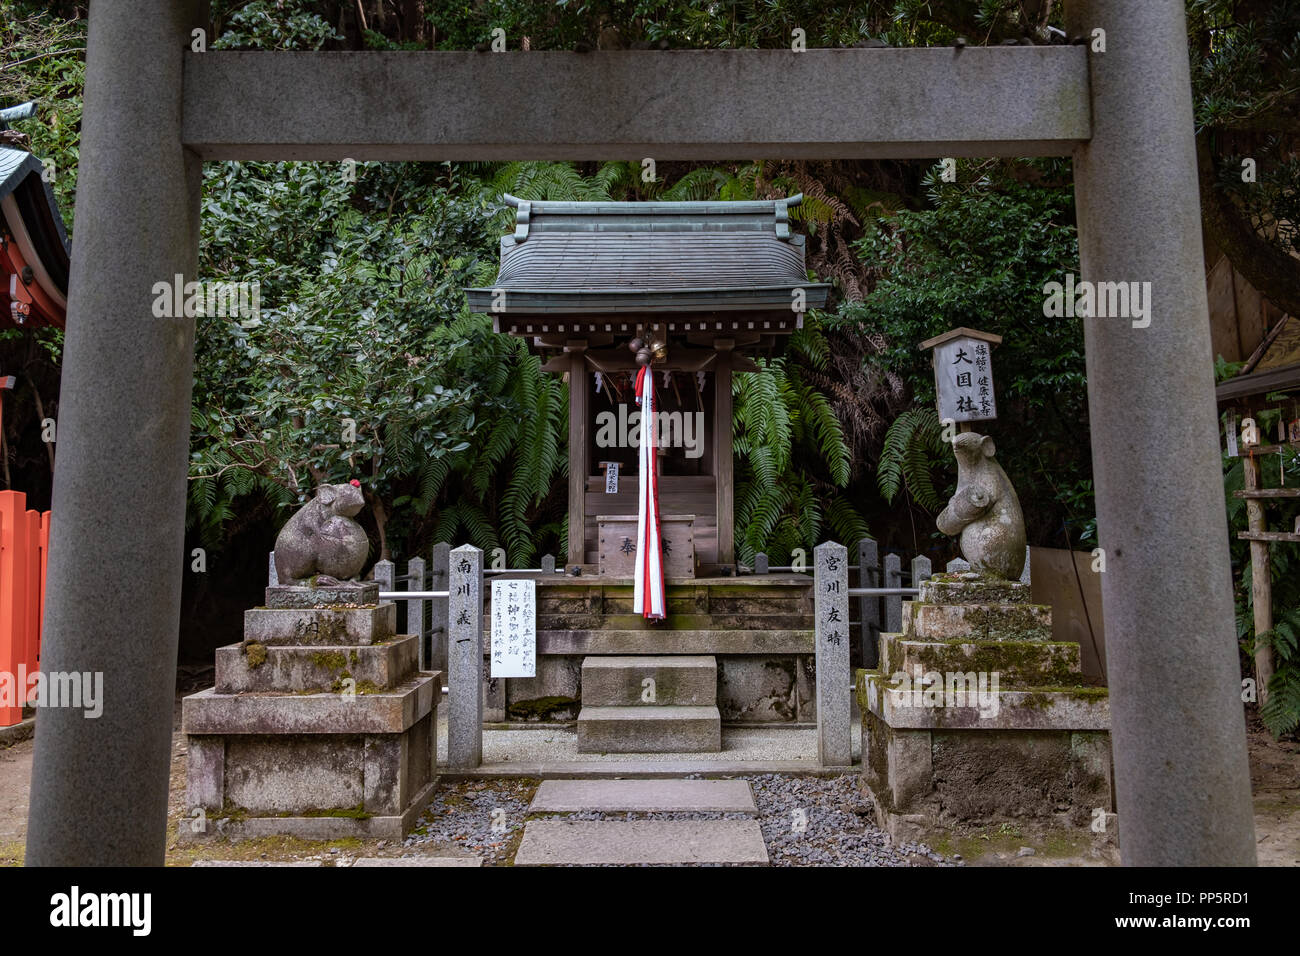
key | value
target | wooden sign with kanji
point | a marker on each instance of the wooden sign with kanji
(963, 374)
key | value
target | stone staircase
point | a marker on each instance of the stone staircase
(650, 704)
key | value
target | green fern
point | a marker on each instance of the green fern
(791, 462)
(912, 449)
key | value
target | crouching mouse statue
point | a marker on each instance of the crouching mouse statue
(985, 510)
(321, 540)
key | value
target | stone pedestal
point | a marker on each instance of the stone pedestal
(976, 716)
(320, 724)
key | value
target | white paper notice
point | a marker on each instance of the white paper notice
(514, 628)
(611, 477)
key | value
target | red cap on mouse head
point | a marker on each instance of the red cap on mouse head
(355, 483)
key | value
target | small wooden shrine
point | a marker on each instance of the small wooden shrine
(707, 286)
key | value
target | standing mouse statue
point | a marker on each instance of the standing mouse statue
(985, 510)
(321, 540)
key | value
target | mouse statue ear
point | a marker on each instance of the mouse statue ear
(326, 494)
(987, 446)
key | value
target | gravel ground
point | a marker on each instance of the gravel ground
(483, 817)
(806, 821)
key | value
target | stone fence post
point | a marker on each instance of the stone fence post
(385, 573)
(921, 572)
(465, 660)
(415, 609)
(831, 614)
(438, 581)
(893, 602)
(869, 606)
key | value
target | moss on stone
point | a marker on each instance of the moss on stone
(540, 708)
(329, 660)
(1018, 663)
(255, 654)
(349, 813)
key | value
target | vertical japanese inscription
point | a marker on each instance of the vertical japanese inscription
(465, 659)
(831, 612)
(514, 628)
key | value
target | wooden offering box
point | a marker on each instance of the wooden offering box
(616, 545)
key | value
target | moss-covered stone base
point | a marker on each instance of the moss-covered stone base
(922, 779)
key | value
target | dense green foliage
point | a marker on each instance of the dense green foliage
(979, 257)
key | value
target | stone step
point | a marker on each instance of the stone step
(328, 625)
(347, 594)
(644, 796)
(971, 588)
(666, 641)
(1019, 621)
(1017, 663)
(631, 842)
(903, 706)
(289, 668)
(623, 681)
(647, 730)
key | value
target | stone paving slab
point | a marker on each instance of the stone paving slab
(562, 796)
(419, 861)
(257, 863)
(629, 842)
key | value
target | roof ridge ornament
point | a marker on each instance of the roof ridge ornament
(522, 215)
(783, 214)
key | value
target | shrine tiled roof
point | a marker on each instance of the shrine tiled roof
(586, 257)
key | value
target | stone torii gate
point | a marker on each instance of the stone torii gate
(155, 110)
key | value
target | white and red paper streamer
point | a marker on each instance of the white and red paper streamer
(648, 593)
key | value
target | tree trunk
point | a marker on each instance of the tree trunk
(381, 523)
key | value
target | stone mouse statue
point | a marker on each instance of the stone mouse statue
(321, 540)
(985, 510)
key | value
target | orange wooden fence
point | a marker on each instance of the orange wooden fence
(24, 547)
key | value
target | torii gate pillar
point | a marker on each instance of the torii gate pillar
(1181, 775)
(99, 785)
